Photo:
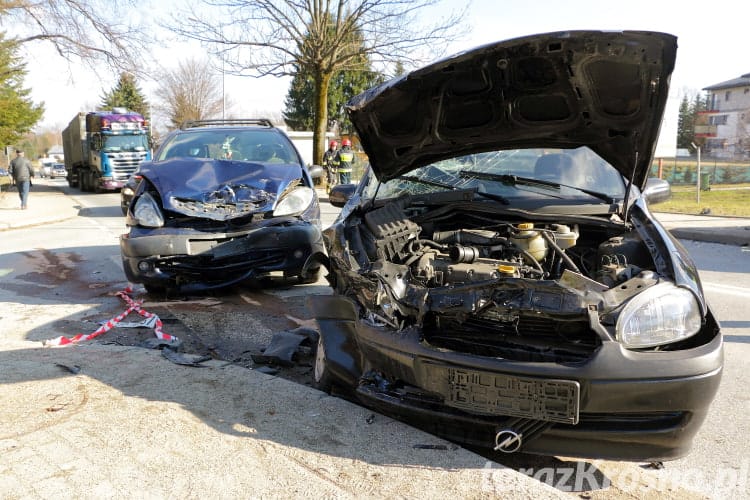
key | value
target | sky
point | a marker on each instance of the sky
(711, 49)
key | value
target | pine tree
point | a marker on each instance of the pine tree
(126, 94)
(344, 84)
(685, 127)
(18, 114)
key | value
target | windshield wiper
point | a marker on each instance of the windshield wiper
(491, 196)
(419, 180)
(512, 180)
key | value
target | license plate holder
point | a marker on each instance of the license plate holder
(488, 393)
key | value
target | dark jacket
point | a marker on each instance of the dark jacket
(20, 169)
(344, 159)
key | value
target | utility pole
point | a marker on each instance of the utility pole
(698, 183)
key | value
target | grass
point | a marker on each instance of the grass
(722, 199)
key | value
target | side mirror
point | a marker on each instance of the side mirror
(316, 171)
(657, 190)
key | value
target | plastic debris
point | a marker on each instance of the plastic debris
(184, 359)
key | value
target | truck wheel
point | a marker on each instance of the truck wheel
(95, 186)
(84, 176)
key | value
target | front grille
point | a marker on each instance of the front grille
(123, 167)
(211, 270)
(526, 338)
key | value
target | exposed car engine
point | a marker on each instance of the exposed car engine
(470, 274)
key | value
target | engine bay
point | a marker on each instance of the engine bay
(480, 283)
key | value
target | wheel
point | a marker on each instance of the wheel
(322, 378)
(154, 289)
(84, 176)
(312, 276)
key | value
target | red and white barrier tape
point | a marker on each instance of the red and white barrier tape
(133, 305)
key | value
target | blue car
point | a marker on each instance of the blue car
(222, 202)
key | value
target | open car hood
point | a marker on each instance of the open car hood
(218, 189)
(604, 90)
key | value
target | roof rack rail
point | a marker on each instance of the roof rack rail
(263, 122)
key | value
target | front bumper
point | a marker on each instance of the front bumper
(188, 260)
(628, 405)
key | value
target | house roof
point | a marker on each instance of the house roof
(742, 81)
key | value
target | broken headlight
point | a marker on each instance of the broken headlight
(147, 212)
(295, 202)
(660, 315)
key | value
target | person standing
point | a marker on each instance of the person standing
(344, 161)
(329, 159)
(22, 172)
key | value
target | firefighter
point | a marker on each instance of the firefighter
(344, 161)
(329, 163)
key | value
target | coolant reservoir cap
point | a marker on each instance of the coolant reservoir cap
(506, 269)
(526, 225)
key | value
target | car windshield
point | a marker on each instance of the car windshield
(125, 143)
(237, 145)
(515, 173)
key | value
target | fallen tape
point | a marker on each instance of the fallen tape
(133, 305)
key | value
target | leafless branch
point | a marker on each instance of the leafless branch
(93, 31)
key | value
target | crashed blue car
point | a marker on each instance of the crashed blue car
(223, 202)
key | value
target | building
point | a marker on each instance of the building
(725, 126)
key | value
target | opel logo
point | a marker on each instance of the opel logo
(508, 441)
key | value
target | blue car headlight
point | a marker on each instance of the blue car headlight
(659, 315)
(294, 202)
(147, 213)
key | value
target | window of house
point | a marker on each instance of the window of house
(726, 96)
(718, 120)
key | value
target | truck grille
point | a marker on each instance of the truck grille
(124, 166)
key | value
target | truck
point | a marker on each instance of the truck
(102, 149)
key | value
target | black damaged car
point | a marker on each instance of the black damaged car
(223, 201)
(498, 277)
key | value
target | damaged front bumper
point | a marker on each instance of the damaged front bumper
(191, 260)
(619, 404)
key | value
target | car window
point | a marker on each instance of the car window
(507, 173)
(237, 145)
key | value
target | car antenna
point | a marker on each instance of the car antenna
(626, 203)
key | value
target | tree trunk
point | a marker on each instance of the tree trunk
(322, 81)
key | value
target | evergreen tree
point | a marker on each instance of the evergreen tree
(18, 114)
(685, 124)
(689, 117)
(126, 94)
(344, 84)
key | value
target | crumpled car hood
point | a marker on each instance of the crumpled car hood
(605, 90)
(219, 189)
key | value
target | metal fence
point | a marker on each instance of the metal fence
(685, 171)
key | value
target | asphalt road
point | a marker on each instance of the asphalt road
(60, 280)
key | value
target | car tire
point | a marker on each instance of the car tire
(312, 276)
(155, 289)
(322, 378)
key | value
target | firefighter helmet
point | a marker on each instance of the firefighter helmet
(346, 142)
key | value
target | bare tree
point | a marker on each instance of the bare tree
(320, 37)
(90, 30)
(192, 91)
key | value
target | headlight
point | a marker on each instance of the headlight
(128, 191)
(295, 202)
(147, 213)
(660, 315)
